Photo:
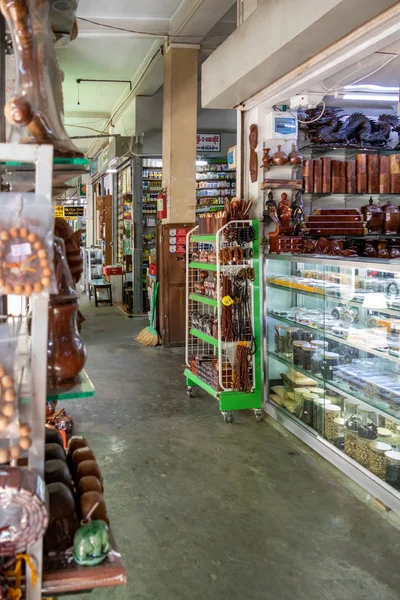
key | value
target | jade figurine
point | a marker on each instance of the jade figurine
(91, 543)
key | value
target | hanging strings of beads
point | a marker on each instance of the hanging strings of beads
(242, 382)
(227, 333)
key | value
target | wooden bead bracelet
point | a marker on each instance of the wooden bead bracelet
(24, 262)
(8, 407)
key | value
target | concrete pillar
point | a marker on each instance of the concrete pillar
(179, 131)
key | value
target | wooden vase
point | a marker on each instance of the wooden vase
(66, 354)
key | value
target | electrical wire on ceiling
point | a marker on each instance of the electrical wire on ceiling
(152, 34)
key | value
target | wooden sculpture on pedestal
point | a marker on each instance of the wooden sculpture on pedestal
(253, 141)
(37, 106)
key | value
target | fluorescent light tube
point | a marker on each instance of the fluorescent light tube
(371, 97)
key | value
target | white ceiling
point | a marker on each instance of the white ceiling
(129, 8)
(103, 53)
(93, 58)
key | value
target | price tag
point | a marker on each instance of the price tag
(20, 249)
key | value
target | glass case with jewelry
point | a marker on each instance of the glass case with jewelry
(332, 341)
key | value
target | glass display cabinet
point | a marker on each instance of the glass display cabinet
(333, 362)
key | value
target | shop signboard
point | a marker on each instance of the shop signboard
(208, 142)
(82, 189)
(59, 212)
(177, 241)
(74, 211)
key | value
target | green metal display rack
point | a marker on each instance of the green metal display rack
(199, 343)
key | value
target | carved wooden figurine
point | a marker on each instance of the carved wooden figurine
(37, 105)
(253, 140)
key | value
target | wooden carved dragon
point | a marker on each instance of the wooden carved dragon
(38, 103)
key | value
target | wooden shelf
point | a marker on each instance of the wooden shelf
(74, 578)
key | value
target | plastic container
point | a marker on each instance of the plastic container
(368, 424)
(306, 353)
(351, 415)
(332, 412)
(316, 360)
(330, 361)
(319, 414)
(338, 433)
(393, 468)
(297, 353)
(363, 451)
(292, 335)
(385, 435)
(350, 443)
(378, 459)
(280, 336)
(308, 407)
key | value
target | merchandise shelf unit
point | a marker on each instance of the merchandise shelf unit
(215, 181)
(151, 187)
(38, 162)
(332, 366)
(92, 265)
(35, 164)
(212, 348)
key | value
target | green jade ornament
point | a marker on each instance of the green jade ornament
(91, 543)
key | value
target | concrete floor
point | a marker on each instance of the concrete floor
(206, 511)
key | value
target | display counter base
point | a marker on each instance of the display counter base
(374, 486)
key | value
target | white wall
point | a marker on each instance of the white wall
(276, 38)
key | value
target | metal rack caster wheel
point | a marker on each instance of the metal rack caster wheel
(189, 391)
(228, 417)
(258, 413)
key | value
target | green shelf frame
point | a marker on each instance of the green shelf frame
(84, 388)
(211, 238)
(81, 162)
(209, 339)
(203, 299)
(227, 400)
(231, 400)
(205, 266)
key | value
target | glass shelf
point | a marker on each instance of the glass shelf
(341, 388)
(335, 338)
(84, 388)
(333, 298)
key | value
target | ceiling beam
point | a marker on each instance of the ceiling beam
(197, 18)
(251, 59)
(375, 35)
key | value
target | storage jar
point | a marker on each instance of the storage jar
(393, 468)
(363, 451)
(332, 412)
(330, 361)
(378, 459)
(350, 443)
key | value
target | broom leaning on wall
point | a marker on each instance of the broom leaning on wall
(149, 335)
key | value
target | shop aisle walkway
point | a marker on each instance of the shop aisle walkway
(206, 511)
